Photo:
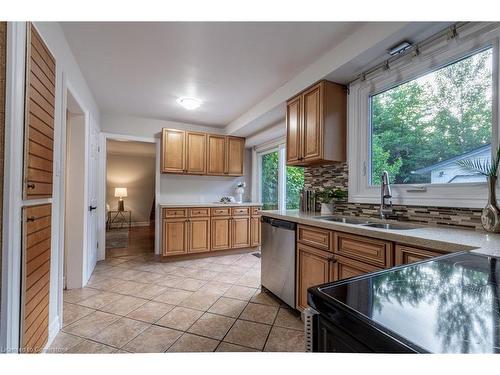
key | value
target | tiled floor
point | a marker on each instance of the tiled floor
(134, 303)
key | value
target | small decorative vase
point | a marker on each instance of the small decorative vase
(327, 208)
(490, 217)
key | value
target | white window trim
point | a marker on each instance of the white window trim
(472, 39)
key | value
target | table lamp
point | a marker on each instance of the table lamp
(120, 192)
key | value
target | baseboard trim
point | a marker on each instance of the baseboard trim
(208, 254)
(54, 328)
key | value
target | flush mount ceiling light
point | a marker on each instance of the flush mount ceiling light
(189, 103)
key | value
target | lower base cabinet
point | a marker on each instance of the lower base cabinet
(175, 233)
(344, 268)
(198, 235)
(255, 227)
(221, 233)
(313, 268)
(240, 228)
(406, 254)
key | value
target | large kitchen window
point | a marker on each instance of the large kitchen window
(422, 128)
(279, 186)
(423, 115)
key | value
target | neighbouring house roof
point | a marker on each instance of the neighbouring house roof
(445, 163)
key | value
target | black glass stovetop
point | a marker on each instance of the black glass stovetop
(449, 305)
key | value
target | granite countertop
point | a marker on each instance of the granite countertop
(439, 238)
(213, 204)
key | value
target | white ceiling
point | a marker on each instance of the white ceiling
(140, 69)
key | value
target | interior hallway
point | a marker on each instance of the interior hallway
(134, 303)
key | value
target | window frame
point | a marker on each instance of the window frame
(471, 40)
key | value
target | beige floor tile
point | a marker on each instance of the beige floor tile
(173, 296)
(104, 284)
(170, 281)
(265, 299)
(225, 277)
(232, 348)
(191, 343)
(71, 313)
(216, 287)
(259, 313)
(285, 340)
(129, 274)
(202, 274)
(91, 347)
(249, 280)
(150, 312)
(289, 319)
(153, 340)
(228, 307)
(121, 332)
(151, 291)
(249, 334)
(240, 292)
(180, 318)
(99, 300)
(148, 277)
(212, 325)
(124, 305)
(63, 342)
(200, 300)
(76, 295)
(186, 283)
(90, 325)
(130, 288)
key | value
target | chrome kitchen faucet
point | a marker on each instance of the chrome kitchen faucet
(385, 193)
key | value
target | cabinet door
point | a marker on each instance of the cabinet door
(196, 153)
(407, 254)
(240, 228)
(344, 268)
(255, 231)
(199, 235)
(312, 125)
(313, 268)
(173, 151)
(293, 133)
(39, 118)
(234, 156)
(175, 233)
(216, 154)
(221, 233)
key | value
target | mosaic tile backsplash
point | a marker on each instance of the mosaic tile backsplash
(337, 176)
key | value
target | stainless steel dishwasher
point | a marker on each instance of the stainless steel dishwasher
(278, 258)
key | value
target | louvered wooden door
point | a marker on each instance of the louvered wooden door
(39, 117)
(35, 277)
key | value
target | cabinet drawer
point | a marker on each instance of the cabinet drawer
(407, 254)
(174, 212)
(224, 211)
(199, 212)
(256, 211)
(316, 237)
(368, 250)
(344, 268)
(241, 211)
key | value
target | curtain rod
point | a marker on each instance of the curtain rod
(450, 32)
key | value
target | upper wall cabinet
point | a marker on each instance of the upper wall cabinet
(316, 125)
(39, 117)
(201, 153)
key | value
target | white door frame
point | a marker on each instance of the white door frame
(101, 195)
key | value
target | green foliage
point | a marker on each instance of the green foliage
(482, 166)
(294, 184)
(329, 195)
(433, 118)
(269, 181)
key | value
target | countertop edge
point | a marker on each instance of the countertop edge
(188, 205)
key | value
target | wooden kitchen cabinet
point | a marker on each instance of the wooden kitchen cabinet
(255, 227)
(235, 147)
(240, 231)
(173, 151)
(313, 268)
(198, 235)
(343, 268)
(216, 156)
(368, 250)
(196, 153)
(407, 254)
(316, 125)
(221, 233)
(175, 236)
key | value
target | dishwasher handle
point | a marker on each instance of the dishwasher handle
(277, 223)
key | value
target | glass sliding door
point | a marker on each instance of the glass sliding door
(269, 176)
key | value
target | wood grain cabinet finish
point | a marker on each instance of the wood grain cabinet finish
(35, 277)
(198, 235)
(313, 268)
(407, 254)
(221, 211)
(240, 232)
(175, 236)
(255, 231)
(39, 117)
(343, 268)
(173, 151)
(316, 125)
(196, 153)
(235, 147)
(221, 233)
(175, 212)
(216, 156)
(316, 237)
(368, 250)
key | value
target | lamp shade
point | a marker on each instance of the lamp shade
(120, 192)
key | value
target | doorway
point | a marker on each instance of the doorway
(130, 198)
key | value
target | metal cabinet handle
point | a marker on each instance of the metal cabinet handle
(30, 219)
(91, 208)
(30, 185)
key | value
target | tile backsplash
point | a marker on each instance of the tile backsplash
(337, 176)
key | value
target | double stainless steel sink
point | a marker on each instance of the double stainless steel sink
(364, 222)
